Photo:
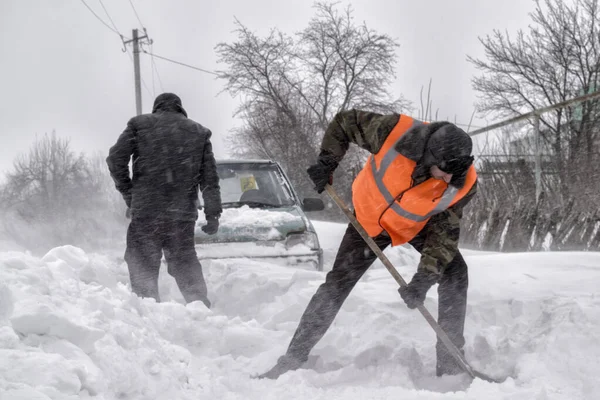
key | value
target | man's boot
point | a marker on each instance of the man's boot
(446, 364)
(284, 364)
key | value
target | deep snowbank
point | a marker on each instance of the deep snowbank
(71, 329)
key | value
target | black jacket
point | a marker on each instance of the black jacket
(172, 160)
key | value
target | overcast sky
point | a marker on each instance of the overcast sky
(62, 70)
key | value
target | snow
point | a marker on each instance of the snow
(259, 224)
(251, 250)
(71, 329)
(254, 220)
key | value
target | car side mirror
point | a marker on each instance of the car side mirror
(313, 204)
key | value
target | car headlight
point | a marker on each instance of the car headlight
(309, 239)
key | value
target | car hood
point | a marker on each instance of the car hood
(245, 224)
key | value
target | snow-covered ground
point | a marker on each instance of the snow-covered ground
(71, 329)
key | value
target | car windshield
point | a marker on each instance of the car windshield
(253, 184)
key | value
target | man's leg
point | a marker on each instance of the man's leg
(143, 256)
(183, 263)
(353, 259)
(452, 308)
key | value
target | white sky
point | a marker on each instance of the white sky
(61, 69)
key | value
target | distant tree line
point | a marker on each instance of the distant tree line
(291, 86)
(558, 58)
(54, 196)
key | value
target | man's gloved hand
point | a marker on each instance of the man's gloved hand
(321, 173)
(414, 294)
(212, 225)
(128, 213)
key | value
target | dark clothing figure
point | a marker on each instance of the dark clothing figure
(147, 239)
(432, 146)
(172, 160)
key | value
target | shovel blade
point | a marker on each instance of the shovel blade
(487, 378)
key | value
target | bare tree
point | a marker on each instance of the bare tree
(55, 196)
(291, 87)
(345, 65)
(44, 177)
(505, 214)
(559, 58)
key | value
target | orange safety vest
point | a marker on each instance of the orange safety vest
(384, 198)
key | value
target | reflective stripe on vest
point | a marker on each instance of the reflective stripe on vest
(445, 201)
(385, 197)
(378, 175)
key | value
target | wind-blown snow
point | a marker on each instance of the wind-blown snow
(71, 329)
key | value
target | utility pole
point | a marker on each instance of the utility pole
(136, 66)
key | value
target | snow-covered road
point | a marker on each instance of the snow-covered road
(71, 329)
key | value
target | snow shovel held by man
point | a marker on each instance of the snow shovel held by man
(456, 353)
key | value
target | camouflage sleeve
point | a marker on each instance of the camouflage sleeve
(365, 129)
(442, 235)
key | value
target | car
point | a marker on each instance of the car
(263, 217)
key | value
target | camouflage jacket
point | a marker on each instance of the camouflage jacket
(369, 131)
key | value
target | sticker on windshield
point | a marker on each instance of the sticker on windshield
(247, 183)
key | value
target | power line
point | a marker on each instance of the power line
(100, 19)
(146, 86)
(125, 49)
(180, 63)
(152, 72)
(455, 123)
(467, 125)
(153, 64)
(537, 113)
(156, 69)
(136, 14)
(109, 18)
(158, 75)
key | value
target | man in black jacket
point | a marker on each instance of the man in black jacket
(172, 160)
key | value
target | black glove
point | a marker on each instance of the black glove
(414, 294)
(128, 213)
(212, 225)
(321, 173)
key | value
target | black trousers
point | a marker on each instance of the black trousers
(353, 259)
(147, 239)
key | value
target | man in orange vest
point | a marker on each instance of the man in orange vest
(412, 189)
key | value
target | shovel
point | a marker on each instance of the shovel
(457, 354)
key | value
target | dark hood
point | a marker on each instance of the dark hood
(431, 144)
(168, 102)
(413, 143)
